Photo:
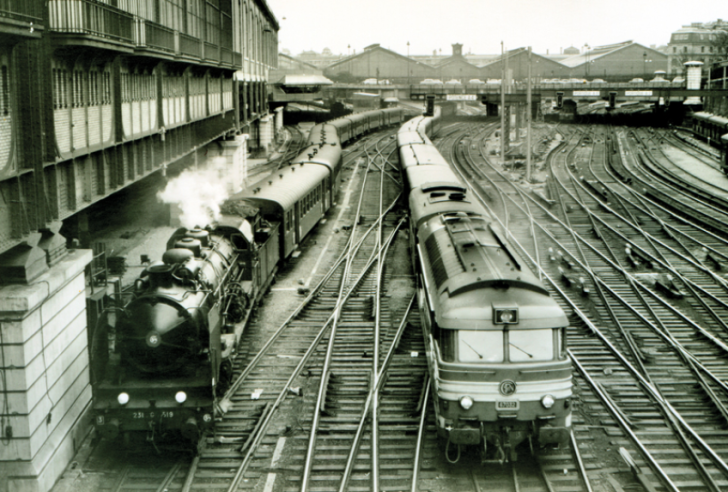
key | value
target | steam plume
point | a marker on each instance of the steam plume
(198, 193)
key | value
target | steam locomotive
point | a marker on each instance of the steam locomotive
(495, 339)
(162, 361)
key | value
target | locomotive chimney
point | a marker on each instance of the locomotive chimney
(159, 275)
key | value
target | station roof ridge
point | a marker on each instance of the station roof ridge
(376, 47)
(602, 51)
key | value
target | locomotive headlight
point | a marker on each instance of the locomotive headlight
(153, 339)
(123, 398)
(181, 397)
(466, 402)
(548, 401)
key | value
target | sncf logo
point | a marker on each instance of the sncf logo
(507, 387)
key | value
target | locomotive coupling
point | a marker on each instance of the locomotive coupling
(108, 430)
(190, 429)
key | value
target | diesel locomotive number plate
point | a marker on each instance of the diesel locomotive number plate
(506, 405)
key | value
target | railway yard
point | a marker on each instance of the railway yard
(227, 267)
(625, 226)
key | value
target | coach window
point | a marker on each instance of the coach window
(530, 345)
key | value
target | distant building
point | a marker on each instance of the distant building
(620, 61)
(380, 63)
(541, 66)
(617, 62)
(704, 42)
(288, 65)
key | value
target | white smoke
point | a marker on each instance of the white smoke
(198, 193)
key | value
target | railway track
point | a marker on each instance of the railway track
(292, 149)
(638, 326)
(636, 164)
(274, 398)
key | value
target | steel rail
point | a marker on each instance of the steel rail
(706, 448)
(374, 443)
(284, 392)
(371, 396)
(327, 362)
(646, 455)
(420, 432)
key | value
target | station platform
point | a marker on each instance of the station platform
(709, 177)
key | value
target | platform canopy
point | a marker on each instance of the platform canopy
(303, 80)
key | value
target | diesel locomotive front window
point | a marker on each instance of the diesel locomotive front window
(448, 339)
(480, 346)
(561, 340)
(530, 345)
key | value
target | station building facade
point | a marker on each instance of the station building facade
(703, 42)
(96, 95)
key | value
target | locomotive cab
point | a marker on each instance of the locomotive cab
(502, 373)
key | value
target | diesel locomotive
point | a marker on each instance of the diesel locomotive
(162, 359)
(495, 339)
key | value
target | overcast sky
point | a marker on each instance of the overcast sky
(481, 25)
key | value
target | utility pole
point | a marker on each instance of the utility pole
(528, 120)
(503, 106)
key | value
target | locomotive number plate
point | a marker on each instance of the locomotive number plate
(151, 415)
(507, 405)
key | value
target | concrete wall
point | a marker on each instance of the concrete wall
(45, 392)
